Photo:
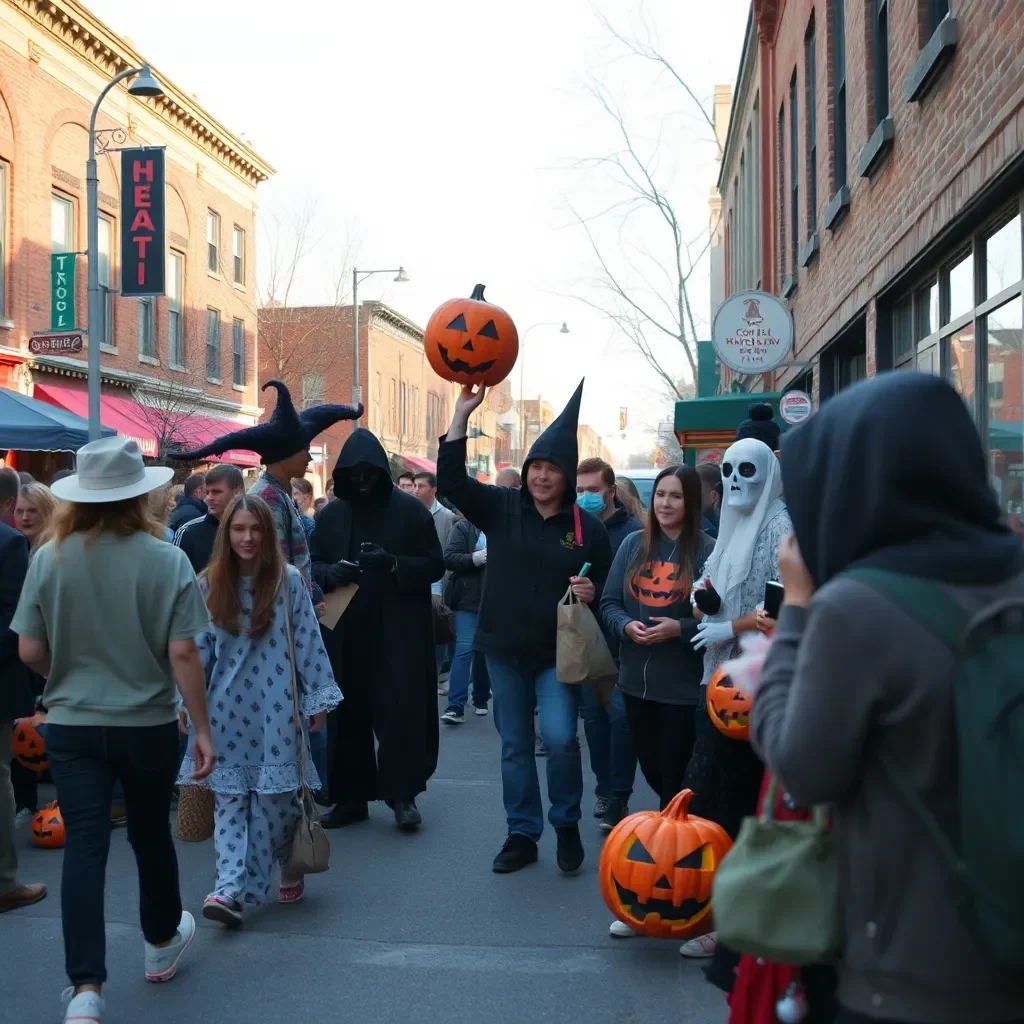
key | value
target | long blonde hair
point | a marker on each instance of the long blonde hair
(45, 504)
(122, 518)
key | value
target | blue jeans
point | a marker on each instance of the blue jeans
(465, 659)
(516, 692)
(612, 755)
(318, 753)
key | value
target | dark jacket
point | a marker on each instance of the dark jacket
(185, 510)
(196, 539)
(620, 524)
(15, 687)
(466, 579)
(669, 673)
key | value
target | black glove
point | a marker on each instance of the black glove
(342, 573)
(707, 600)
(374, 558)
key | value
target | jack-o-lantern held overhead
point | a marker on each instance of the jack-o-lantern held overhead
(657, 867)
(470, 341)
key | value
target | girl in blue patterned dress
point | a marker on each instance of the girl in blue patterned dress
(249, 591)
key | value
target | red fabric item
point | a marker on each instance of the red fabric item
(760, 984)
(577, 524)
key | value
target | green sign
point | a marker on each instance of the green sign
(62, 291)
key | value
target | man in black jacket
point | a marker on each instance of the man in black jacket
(15, 701)
(224, 483)
(189, 504)
(538, 541)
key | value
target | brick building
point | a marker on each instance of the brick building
(176, 370)
(891, 178)
(591, 445)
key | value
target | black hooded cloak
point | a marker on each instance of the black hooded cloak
(382, 648)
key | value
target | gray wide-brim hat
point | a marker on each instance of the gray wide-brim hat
(110, 469)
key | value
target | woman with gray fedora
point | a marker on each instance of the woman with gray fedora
(108, 614)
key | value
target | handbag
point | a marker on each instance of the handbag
(195, 814)
(311, 849)
(443, 619)
(776, 893)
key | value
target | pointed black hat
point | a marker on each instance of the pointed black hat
(558, 443)
(284, 434)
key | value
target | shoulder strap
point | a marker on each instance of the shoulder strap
(925, 601)
(296, 705)
(578, 526)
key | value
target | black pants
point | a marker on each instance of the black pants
(663, 737)
(25, 783)
(85, 762)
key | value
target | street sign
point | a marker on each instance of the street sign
(752, 332)
(143, 249)
(623, 417)
(55, 344)
(795, 407)
(62, 291)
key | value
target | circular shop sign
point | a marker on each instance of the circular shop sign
(795, 407)
(752, 332)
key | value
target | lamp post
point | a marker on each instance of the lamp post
(361, 275)
(144, 85)
(564, 329)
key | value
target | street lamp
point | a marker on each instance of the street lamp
(564, 329)
(360, 275)
(144, 85)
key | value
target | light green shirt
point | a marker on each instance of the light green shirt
(108, 608)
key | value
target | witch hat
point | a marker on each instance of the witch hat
(558, 442)
(284, 434)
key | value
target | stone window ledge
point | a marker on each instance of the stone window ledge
(809, 253)
(788, 285)
(935, 55)
(877, 147)
(837, 208)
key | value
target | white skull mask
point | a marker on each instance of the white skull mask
(744, 473)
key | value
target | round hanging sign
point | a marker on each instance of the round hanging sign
(795, 407)
(752, 332)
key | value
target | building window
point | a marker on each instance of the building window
(238, 352)
(839, 94)
(393, 408)
(794, 174)
(147, 328)
(312, 389)
(62, 223)
(781, 197)
(932, 12)
(238, 255)
(3, 239)
(105, 248)
(377, 395)
(403, 408)
(880, 59)
(175, 333)
(213, 344)
(212, 242)
(1004, 334)
(811, 118)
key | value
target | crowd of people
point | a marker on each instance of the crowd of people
(279, 644)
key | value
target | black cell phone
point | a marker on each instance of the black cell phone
(773, 595)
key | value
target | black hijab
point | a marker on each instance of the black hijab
(891, 474)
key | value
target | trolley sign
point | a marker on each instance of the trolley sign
(55, 344)
(795, 407)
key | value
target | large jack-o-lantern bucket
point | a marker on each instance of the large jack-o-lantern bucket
(28, 744)
(729, 705)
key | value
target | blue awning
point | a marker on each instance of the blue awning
(27, 425)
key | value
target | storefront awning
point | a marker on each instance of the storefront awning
(123, 416)
(422, 465)
(28, 425)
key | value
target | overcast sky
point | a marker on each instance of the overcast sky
(446, 136)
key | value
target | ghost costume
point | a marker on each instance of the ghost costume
(724, 773)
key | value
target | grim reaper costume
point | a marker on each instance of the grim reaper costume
(382, 539)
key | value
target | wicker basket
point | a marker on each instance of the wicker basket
(195, 814)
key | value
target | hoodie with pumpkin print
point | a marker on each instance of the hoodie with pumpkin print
(670, 672)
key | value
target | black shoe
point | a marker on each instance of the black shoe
(614, 813)
(407, 816)
(518, 851)
(570, 848)
(602, 805)
(345, 814)
(454, 715)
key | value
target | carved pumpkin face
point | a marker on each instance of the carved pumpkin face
(28, 743)
(657, 867)
(470, 341)
(48, 828)
(659, 584)
(729, 706)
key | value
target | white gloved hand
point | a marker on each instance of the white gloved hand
(712, 633)
(480, 557)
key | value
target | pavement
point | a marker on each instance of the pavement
(404, 928)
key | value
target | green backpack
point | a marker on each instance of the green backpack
(987, 857)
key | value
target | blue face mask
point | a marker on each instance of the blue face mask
(590, 502)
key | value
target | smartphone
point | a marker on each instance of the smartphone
(773, 595)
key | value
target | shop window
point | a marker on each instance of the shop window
(961, 288)
(962, 370)
(1004, 333)
(926, 310)
(1003, 258)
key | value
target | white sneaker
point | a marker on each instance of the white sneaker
(480, 711)
(620, 930)
(701, 947)
(23, 817)
(85, 1008)
(162, 961)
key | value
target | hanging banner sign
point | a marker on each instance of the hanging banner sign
(142, 222)
(55, 344)
(752, 332)
(62, 291)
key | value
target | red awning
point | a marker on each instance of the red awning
(121, 414)
(424, 465)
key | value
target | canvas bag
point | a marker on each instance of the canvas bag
(581, 651)
(311, 849)
(776, 893)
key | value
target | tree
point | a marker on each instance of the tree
(642, 279)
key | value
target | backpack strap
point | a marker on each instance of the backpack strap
(922, 599)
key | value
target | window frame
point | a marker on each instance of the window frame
(811, 124)
(212, 247)
(794, 173)
(238, 352)
(881, 98)
(71, 224)
(213, 345)
(840, 125)
(147, 328)
(106, 269)
(5, 180)
(781, 190)
(175, 310)
(238, 258)
(933, 13)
